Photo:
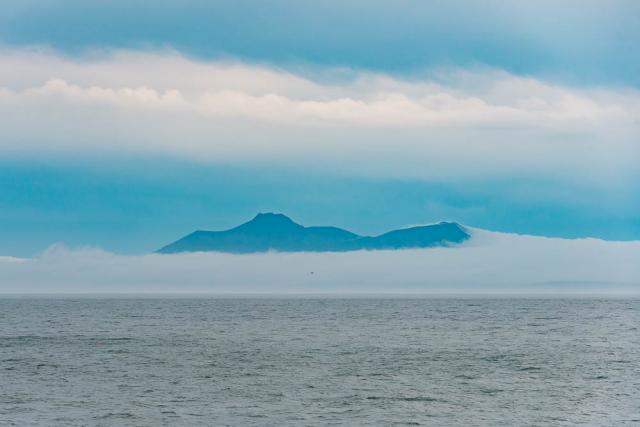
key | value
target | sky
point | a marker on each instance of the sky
(125, 125)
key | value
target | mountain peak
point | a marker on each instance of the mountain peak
(271, 219)
(262, 216)
(270, 222)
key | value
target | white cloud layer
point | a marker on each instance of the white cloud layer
(232, 112)
(489, 262)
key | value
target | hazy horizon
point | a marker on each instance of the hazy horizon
(488, 263)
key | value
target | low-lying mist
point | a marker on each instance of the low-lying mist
(488, 263)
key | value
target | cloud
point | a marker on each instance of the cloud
(10, 259)
(577, 40)
(146, 82)
(378, 106)
(490, 262)
(449, 122)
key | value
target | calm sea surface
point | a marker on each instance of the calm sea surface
(294, 361)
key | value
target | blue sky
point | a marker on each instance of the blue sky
(128, 124)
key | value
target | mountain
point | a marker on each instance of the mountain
(270, 231)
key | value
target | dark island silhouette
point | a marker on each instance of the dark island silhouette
(277, 232)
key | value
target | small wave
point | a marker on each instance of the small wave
(598, 377)
(405, 399)
(466, 377)
(530, 369)
(491, 390)
(117, 415)
(47, 365)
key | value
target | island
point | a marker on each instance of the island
(277, 232)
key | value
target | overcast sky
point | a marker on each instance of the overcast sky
(124, 125)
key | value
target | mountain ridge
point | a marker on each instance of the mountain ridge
(277, 232)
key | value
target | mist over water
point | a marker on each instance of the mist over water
(300, 361)
(487, 263)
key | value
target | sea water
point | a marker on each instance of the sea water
(319, 361)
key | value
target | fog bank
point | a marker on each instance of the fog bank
(488, 263)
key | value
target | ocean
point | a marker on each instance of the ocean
(307, 361)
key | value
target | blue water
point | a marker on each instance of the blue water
(319, 361)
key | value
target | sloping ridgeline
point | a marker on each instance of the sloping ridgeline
(277, 232)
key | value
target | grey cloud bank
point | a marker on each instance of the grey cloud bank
(489, 263)
(447, 124)
(576, 40)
